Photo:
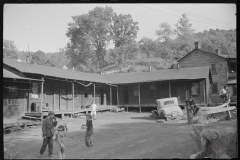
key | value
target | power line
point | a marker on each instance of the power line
(202, 17)
(225, 8)
(178, 16)
(214, 9)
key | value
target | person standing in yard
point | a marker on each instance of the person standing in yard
(224, 94)
(89, 130)
(212, 147)
(194, 104)
(60, 133)
(48, 132)
(94, 110)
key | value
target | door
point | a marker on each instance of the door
(125, 95)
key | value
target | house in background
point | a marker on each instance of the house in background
(223, 69)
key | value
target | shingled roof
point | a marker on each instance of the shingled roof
(161, 75)
(11, 75)
(115, 78)
(55, 72)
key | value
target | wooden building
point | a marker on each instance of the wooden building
(65, 90)
(222, 68)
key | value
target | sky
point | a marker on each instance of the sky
(44, 26)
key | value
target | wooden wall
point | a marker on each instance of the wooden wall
(200, 58)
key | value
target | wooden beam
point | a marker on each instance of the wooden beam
(169, 89)
(139, 98)
(41, 95)
(73, 96)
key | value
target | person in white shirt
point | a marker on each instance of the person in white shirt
(224, 93)
(94, 110)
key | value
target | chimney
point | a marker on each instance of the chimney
(196, 45)
(149, 68)
(217, 52)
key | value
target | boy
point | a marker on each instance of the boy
(224, 94)
(61, 132)
(89, 131)
(48, 132)
(193, 103)
(94, 110)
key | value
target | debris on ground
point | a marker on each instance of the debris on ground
(116, 109)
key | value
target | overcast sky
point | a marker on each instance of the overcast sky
(44, 26)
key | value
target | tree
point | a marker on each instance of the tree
(165, 32)
(9, 49)
(90, 32)
(147, 46)
(39, 58)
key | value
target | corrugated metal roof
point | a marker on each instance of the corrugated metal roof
(55, 72)
(169, 74)
(8, 74)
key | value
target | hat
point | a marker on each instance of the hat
(50, 113)
(61, 128)
(210, 134)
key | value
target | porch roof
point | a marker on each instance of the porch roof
(55, 72)
(161, 75)
(11, 75)
(232, 82)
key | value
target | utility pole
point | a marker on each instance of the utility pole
(28, 54)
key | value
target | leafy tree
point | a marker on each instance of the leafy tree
(89, 32)
(165, 32)
(147, 46)
(38, 57)
(9, 49)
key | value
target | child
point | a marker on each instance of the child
(194, 104)
(89, 131)
(60, 134)
(212, 149)
(94, 110)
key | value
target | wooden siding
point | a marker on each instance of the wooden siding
(199, 58)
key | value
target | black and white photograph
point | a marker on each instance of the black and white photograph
(120, 80)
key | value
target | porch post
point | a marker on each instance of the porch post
(73, 96)
(139, 97)
(41, 94)
(54, 97)
(110, 95)
(117, 97)
(94, 91)
(204, 92)
(169, 89)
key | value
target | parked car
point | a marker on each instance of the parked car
(170, 106)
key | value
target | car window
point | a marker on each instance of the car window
(168, 102)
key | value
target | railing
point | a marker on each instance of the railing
(232, 75)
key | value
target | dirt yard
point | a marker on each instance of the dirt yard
(123, 135)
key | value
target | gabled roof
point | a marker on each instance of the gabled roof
(161, 75)
(221, 56)
(11, 75)
(55, 72)
(115, 78)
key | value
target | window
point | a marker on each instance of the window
(152, 89)
(135, 91)
(168, 102)
(85, 94)
(214, 88)
(195, 89)
(12, 96)
(213, 68)
(35, 90)
(234, 90)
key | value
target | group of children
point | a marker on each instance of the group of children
(53, 135)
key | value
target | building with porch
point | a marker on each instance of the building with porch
(68, 91)
(223, 68)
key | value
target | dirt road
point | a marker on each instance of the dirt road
(116, 135)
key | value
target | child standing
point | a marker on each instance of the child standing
(94, 110)
(89, 131)
(61, 132)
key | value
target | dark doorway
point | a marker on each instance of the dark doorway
(125, 95)
(102, 96)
